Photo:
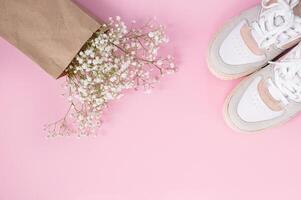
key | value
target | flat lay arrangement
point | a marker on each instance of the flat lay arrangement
(150, 100)
(248, 44)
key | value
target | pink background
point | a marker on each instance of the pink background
(171, 145)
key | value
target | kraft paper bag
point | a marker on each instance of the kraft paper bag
(50, 32)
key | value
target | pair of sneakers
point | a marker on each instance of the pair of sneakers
(263, 43)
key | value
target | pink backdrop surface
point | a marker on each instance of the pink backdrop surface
(171, 145)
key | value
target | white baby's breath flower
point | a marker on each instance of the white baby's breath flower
(112, 62)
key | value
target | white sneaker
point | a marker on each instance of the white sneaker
(267, 98)
(255, 37)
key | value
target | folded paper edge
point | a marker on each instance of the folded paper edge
(62, 72)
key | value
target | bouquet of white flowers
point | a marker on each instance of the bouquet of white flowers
(99, 60)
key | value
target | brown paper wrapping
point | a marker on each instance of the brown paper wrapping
(50, 32)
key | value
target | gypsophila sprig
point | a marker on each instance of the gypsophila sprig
(110, 63)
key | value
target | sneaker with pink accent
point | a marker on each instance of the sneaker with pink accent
(257, 36)
(267, 98)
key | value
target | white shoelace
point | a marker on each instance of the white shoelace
(287, 78)
(277, 23)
